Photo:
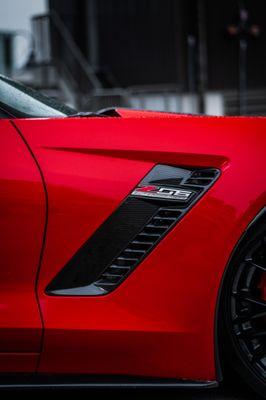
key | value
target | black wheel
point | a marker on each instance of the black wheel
(243, 310)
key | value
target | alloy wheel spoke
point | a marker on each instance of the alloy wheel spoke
(258, 354)
(248, 310)
(259, 334)
(253, 264)
(258, 307)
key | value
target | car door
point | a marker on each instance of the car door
(22, 225)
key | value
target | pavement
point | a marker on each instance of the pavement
(223, 393)
(232, 389)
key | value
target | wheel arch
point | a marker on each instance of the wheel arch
(251, 227)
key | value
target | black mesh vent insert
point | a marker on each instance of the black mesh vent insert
(138, 247)
(104, 245)
(131, 232)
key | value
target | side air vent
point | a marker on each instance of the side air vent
(124, 240)
(203, 177)
(139, 247)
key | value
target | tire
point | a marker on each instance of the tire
(243, 309)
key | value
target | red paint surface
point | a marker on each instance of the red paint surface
(22, 216)
(160, 321)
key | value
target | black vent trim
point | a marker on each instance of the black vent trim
(138, 248)
(203, 177)
(123, 241)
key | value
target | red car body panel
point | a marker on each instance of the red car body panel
(161, 321)
(22, 205)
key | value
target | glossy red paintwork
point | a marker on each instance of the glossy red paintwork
(21, 233)
(160, 321)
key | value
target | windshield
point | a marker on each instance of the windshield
(21, 101)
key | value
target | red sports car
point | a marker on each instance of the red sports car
(133, 246)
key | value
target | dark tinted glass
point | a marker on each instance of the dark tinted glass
(21, 101)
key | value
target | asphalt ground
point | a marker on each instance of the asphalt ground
(224, 392)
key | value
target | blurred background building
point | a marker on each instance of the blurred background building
(193, 56)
